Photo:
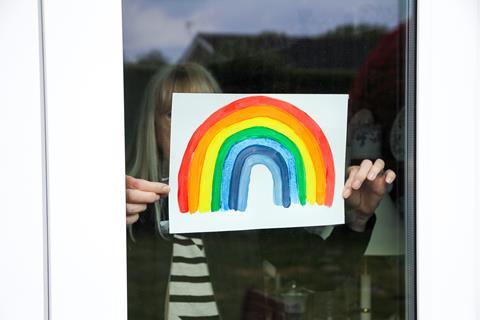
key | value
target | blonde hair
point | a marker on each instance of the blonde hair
(146, 160)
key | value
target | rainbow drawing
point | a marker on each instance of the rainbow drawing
(215, 170)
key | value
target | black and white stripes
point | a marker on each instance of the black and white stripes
(190, 290)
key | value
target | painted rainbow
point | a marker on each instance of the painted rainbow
(215, 170)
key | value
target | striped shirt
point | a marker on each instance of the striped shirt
(190, 292)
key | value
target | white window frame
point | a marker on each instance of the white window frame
(65, 70)
(448, 145)
(83, 64)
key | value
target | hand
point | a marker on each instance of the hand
(364, 189)
(141, 192)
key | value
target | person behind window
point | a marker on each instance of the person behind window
(151, 153)
(178, 280)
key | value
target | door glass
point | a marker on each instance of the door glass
(362, 48)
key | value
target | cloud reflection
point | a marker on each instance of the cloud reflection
(170, 26)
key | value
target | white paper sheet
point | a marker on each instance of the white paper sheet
(190, 111)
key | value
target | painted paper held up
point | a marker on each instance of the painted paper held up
(244, 147)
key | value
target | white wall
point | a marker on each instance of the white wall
(447, 167)
(22, 260)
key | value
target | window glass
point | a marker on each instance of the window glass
(355, 47)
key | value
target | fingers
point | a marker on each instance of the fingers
(131, 219)
(141, 197)
(139, 193)
(133, 208)
(347, 190)
(144, 185)
(133, 212)
(361, 174)
(376, 169)
(367, 170)
(390, 176)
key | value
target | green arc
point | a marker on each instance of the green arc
(257, 132)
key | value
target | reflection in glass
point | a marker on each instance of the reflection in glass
(355, 47)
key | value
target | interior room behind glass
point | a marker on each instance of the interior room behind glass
(349, 47)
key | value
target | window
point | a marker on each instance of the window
(365, 50)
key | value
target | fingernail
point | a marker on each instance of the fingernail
(389, 179)
(166, 188)
(371, 176)
(356, 184)
(346, 193)
(157, 197)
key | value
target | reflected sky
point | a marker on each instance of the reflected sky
(170, 25)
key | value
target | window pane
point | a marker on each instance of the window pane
(352, 271)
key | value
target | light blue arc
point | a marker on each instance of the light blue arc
(233, 154)
(244, 180)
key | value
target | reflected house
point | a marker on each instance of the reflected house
(274, 62)
(333, 50)
(220, 47)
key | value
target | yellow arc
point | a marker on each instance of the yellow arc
(206, 179)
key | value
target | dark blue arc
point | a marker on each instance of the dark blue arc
(230, 160)
(266, 152)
